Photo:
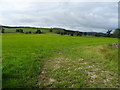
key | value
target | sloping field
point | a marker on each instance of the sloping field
(45, 60)
(27, 29)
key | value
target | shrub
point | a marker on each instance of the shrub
(38, 31)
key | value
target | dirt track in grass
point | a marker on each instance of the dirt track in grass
(66, 72)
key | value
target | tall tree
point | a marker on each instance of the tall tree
(108, 33)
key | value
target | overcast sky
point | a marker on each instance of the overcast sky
(82, 16)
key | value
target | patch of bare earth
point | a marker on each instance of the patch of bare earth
(94, 71)
(44, 79)
(99, 76)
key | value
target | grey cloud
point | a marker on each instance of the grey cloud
(76, 16)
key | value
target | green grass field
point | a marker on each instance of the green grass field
(50, 60)
(27, 29)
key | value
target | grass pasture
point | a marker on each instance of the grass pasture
(49, 60)
(27, 29)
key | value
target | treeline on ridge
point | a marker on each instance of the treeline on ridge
(115, 34)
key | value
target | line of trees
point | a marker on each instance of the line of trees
(29, 32)
(115, 34)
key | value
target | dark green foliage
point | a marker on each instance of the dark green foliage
(51, 30)
(3, 30)
(58, 32)
(72, 34)
(79, 33)
(62, 33)
(85, 33)
(17, 30)
(20, 30)
(108, 33)
(38, 31)
(116, 33)
(30, 32)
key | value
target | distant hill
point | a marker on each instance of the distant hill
(54, 30)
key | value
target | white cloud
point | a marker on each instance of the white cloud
(83, 16)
